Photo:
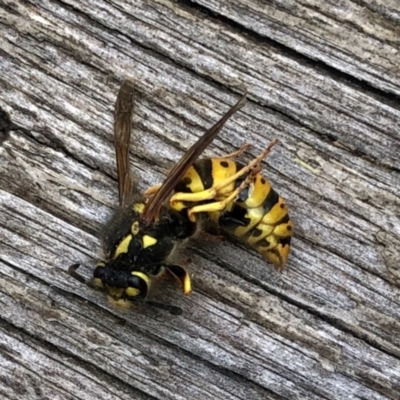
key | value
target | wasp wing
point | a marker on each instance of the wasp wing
(122, 135)
(176, 174)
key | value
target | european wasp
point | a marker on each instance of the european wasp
(140, 241)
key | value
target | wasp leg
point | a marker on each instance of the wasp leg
(182, 276)
(151, 191)
(178, 199)
(238, 152)
(223, 204)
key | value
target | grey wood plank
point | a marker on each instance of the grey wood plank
(327, 327)
(358, 38)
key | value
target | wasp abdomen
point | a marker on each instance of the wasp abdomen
(258, 215)
(260, 218)
(206, 173)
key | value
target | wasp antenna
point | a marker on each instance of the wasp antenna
(72, 272)
(168, 307)
(242, 100)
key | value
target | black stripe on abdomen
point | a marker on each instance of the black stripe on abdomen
(271, 200)
(204, 169)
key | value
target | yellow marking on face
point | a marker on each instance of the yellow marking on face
(114, 292)
(101, 264)
(148, 241)
(123, 246)
(132, 292)
(98, 283)
(135, 228)
(120, 303)
(138, 207)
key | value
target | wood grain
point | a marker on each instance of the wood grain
(322, 77)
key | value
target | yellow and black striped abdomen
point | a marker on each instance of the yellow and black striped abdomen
(258, 216)
(206, 173)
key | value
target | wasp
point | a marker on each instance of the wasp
(141, 239)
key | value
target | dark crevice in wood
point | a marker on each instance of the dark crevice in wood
(164, 57)
(126, 323)
(333, 250)
(368, 157)
(59, 354)
(353, 25)
(392, 100)
(388, 98)
(156, 54)
(7, 126)
(380, 95)
(384, 97)
(237, 377)
(330, 138)
(73, 296)
(56, 144)
(334, 74)
(335, 322)
(60, 44)
(10, 8)
(379, 10)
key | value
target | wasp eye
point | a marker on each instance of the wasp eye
(137, 286)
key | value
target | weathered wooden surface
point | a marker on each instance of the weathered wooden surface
(323, 77)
